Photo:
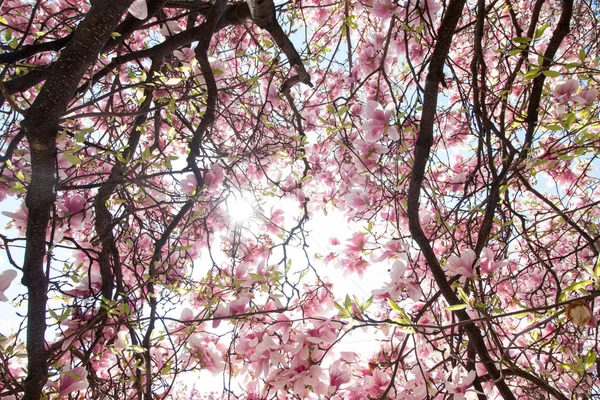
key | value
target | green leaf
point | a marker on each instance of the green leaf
(348, 303)
(342, 111)
(463, 295)
(551, 74)
(72, 375)
(18, 188)
(120, 158)
(554, 127)
(257, 277)
(540, 31)
(80, 136)
(342, 310)
(532, 74)
(590, 359)
(72, 158)
(457, 307)
(395, 306)
(578, 285)
(166, 369)
(405, 329)
(65, 314)
(597, 268)
(569, 121)
(403, 315)
(138, 349)
(172, 82)
(522, 39)
(146, 154)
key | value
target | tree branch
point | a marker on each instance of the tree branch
(41, 128)
(421, 158)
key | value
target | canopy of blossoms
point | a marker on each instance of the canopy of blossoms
(190, 188)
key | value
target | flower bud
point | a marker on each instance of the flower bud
(579, 313)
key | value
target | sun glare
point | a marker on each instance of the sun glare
(238, 208)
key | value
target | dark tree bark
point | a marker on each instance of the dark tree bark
(421, 157)
(41, 128)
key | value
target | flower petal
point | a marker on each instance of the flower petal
(6, 278)
(139, 9)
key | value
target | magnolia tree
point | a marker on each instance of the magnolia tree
(189, 184)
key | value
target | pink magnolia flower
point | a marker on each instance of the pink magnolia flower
(188, 184)
(71, 206)
(215, 176)
(301, 196)
(368, 153)
(357, 243)
(170, 28)
(376, 384)
(283, 327)
(487, 265)
(264, 354)
(458, 385)
(185, 54)
(218, 69)
(379, 122)
(384, 9)
(19, 218)
(73, 380)
(122, 341)
(358, 200)
(353, 263)
(339, 373)
(563, 91)
(324, 332)
(91, 284)
(398, 283)
(187, 314)
(6, 278)
(209, 354)
(368, 149)
(275, 221)
(415, 383)
(235, 307)
(416, 52)
(587, 96)
(393, 248)
(310, 380)
(254, 390)
(139, 9)
(462, 265)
